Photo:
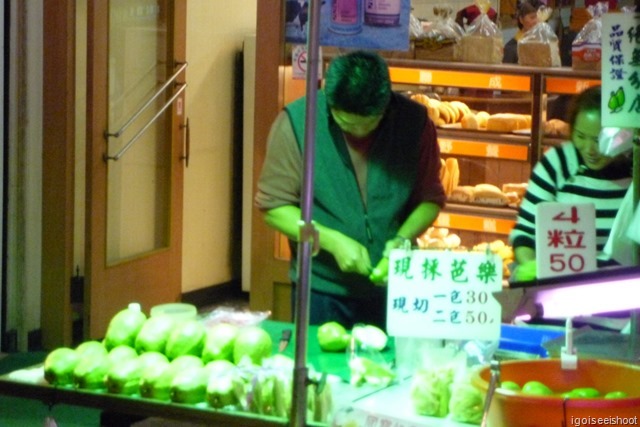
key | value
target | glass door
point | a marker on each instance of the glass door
(137, 152)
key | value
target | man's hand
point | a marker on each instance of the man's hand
(351, 256)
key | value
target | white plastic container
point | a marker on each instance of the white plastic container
(178, 311)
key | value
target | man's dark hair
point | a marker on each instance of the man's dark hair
(588, 100)
(358, 83)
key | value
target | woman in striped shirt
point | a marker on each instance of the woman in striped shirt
(573, 172)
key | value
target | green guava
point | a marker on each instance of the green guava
(92, 347)
(252, 342)
(219, 342)
(616, 395)
(90, 373)
(536, 388)
(124, 327)
(510, 385)
(154, 334)
(332, 336)
(186, 337)
(584, 393)
(189, 386)
(59, 366)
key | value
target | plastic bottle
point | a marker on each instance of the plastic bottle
(382, 13)
(346, 16)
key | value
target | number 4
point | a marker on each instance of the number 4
(573, 217)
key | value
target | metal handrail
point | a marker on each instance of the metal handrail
(135, 115)
(128, 145)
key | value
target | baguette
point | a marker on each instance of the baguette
(454, 174)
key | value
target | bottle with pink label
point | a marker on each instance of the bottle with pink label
(382, 13)
(346, 16)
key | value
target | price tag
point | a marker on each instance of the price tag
(566, 239)
(444, 294)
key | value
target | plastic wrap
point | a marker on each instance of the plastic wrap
(539, 46)
(586, 48)
(483, 41)
(439, 39)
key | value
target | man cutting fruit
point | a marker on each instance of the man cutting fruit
(376, 185)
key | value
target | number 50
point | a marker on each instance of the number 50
(575, 262)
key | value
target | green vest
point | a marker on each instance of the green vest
(392, 166)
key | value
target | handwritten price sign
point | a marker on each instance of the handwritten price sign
(566, 242)
(444, 294)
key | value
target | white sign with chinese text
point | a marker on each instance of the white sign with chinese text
(444, 294)
(566, 239)
(620, 69)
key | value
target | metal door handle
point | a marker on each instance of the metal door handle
(187, 143)
(119, 132)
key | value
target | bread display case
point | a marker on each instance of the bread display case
(507, 115)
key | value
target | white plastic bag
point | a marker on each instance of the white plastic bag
(539, 46)
(483, 42)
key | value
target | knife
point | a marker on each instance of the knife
(284, 340)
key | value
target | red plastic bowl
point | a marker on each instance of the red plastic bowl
(514, 409)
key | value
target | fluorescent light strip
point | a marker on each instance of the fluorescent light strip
(593, 298)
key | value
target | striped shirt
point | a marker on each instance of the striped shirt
(561, 176)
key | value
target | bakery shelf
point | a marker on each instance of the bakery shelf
(484, 144)
(491, 157)
(474, 220)
(505, 212)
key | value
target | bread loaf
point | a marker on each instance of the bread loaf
(487, 187)
(469, 121)
(488, 194)
(586, 56)
(539, 54)
(462, 194)
(481, 49)
(556, 127)
(482, 117)
(520, 188)
(507, 122)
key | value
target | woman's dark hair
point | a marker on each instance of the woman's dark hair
(588, 100)
(526, 7)
(358, 83)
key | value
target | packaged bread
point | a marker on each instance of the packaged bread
(508, 122)
(483, 41)
(586, 47)
(439, 39)
(480, 49)
(539, 47)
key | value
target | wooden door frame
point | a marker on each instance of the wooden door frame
(58, 146)
(269, 96)
(156, 269)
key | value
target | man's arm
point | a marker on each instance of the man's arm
(416, 223)
(351, 256)
(419, 220)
